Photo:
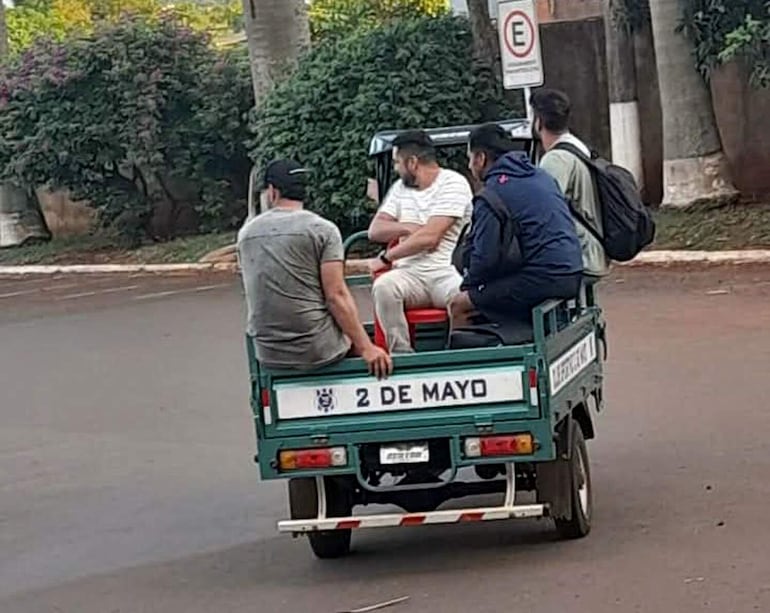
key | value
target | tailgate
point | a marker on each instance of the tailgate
(461, 387)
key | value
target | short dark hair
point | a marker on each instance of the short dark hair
(552, 107)
(417, 143)
(491, 139)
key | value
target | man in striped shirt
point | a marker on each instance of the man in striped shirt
(425, 212)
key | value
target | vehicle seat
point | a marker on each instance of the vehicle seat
(491, 335)
(414, 317)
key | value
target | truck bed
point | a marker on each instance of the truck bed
(433, 395)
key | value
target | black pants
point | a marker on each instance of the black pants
(513, 298)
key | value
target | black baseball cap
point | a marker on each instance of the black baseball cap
(288, 177)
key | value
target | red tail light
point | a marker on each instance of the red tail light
(487, 446)
(327, 457)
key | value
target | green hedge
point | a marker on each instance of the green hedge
(409, 74)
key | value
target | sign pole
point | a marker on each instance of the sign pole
(527, 95)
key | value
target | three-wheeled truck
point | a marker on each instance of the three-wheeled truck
(468, 414)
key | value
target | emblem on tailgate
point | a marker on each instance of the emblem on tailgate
(325, 400)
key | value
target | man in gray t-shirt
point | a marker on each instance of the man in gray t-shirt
(300, 311)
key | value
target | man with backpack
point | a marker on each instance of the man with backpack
(551, 125)
(611, 219)
(522, 248)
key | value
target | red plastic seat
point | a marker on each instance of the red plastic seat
(414, 317)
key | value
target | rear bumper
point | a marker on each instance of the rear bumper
(393, 520)
(508, 510)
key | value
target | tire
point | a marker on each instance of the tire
(581, 493)
(303, 504)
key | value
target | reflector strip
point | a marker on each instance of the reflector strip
(534, 399)
(267, 415)
(412, 519)
(348, 525)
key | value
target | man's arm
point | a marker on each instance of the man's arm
(427, 238)
(341, 304)
(386, 228)
(344, 311)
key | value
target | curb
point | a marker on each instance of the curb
(649, 258)
(670, 258)
(100, 269)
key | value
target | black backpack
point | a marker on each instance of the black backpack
(628, 225)
(510, 249)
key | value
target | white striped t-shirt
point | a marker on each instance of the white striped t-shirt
(449, 195)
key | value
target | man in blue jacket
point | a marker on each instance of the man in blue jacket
(496, 289)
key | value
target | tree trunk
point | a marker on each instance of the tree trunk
(20, 217)
(277, 31)
(486, 46)
(3, 32)
(486, 52)
(695, 169)
(625, 129)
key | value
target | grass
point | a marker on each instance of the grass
(99, 249)
(742, 226)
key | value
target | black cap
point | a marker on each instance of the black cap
(288, 177)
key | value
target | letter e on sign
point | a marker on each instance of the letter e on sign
(520, 44)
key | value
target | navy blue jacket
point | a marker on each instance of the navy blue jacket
(548, 239)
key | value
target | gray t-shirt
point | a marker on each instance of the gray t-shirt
(280, 254)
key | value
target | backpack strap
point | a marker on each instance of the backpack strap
(588, 161)
(577, 152)
(499, 208)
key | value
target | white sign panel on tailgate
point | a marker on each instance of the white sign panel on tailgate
(367, 395)
(572, 363)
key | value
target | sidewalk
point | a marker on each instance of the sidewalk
(649, 258)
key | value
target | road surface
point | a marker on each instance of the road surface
(127, 485)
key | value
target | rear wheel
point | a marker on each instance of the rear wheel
(303, 504)
(580, 494)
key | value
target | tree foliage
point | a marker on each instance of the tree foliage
(330, 19)
(720, 30)
(33, 19)
(142, 119)
(408, 74)
(724, 29)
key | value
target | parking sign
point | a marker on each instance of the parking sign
(520, 44)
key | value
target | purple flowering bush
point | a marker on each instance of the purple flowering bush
(143, 119)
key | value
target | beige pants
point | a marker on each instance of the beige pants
(399, 289)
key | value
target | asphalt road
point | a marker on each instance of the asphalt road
(126, 480)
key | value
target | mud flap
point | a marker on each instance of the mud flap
(554, 478)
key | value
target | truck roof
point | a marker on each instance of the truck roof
(519, 129)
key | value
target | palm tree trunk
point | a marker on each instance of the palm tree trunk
(625, 128)
(695, 169)
(486, 46)
(486, 52)
(20, 217)
(3, 32)
(277, 31)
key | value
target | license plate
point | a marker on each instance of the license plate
(404, 453)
